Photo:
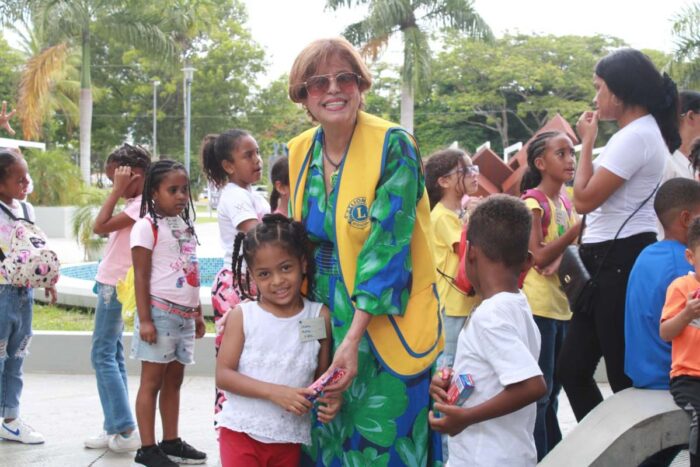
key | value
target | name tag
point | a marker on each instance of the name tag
(312, 329)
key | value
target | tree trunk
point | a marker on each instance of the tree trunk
(85, 130)
(85, 105)
(407, 107)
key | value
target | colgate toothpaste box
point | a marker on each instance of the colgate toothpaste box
(320, 384)
(461, 388)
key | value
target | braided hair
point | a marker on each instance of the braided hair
(131, 156)
(154, 176)
(532, 176)
(440, 164)
(274, 228)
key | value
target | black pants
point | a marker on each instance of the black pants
(686, 393)
(600, 330)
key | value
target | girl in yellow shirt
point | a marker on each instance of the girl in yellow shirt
(449, 175)
(551, 162)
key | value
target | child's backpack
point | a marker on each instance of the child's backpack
(28, 262)
(126, 290)
(541, 199)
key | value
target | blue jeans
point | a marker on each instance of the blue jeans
(107, 358)
(547, 432)
(15, 335)
(452, 327)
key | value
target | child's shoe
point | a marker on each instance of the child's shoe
(100, 441)
(121, 443)
(153, 456)
(17, 430)
(181, 452)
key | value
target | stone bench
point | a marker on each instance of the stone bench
(624, 430)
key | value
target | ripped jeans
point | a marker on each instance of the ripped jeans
(15, 335)
(107, 358)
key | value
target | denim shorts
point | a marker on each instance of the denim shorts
(174, 340)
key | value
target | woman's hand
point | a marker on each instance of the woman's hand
(346, 358)
(587, 126)
(329, 406)
(147, 332)
(293, 399)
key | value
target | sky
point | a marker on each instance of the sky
(284, 27)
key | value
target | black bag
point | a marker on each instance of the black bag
(573, 275)
(575, 279)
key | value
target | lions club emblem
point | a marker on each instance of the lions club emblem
(357, 213)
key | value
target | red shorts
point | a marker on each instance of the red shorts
(240, 450)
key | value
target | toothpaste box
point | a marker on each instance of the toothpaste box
(320, 384)
(461, 388)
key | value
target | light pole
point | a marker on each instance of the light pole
(155, 123)
(189, 72)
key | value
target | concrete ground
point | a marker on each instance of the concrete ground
(66, 410)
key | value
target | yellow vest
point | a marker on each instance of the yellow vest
(408, 344)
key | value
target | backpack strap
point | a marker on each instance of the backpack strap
(8, 212)
(25, 211)
(566, 202)
(154, 229)
(541, 198)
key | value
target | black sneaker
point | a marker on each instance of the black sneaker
(153, 456)
(181, 452)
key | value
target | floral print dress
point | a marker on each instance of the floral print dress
(384, 418)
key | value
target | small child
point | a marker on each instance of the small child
(273, 349)
(647, 356)
(680, 324)
(551, 161)
(498, 347)
(449, 175)
(15, 303)
(231, 161)
(125, 167)
(279, 176)
(169, 316)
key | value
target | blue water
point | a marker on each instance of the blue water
(208, 267)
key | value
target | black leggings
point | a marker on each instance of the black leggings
(686, 393)
(600, 331)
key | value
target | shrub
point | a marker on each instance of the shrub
(56, 179)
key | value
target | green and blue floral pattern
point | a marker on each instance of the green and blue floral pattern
(383, 421)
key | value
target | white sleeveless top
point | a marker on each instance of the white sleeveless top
(273, 353)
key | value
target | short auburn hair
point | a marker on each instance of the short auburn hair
(318, 52)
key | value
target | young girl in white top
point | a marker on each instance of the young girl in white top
(125, 167)
(273, 349)
(231, 162)
(15, 304)
(166, 277)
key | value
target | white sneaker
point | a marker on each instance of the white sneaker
(121, 443)
(19, 431)
(100, 441)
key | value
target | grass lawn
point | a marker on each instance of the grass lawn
(54, 318)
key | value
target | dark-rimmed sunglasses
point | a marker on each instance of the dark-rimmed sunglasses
(318, 85)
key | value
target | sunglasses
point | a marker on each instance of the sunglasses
(469, 170)
(318, 85)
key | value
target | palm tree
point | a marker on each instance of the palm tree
(75, 23)
(686, 29)
(414, 19)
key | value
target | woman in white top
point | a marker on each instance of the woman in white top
(679, 165)
(616, 193)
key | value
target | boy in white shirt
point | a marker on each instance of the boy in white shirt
(499, 347)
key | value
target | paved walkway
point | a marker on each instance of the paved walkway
(66, 409)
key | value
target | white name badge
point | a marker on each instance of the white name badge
(312, 329)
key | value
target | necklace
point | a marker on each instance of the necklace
(335, 165)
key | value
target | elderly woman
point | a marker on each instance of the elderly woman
(358, 187)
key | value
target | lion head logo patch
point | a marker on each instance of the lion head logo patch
(357, 213)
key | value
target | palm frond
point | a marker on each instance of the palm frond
(459, 15)
(35, 87)
(417, 59)
(374, 47)
(336, 4)
(686, 29)
(128, 27)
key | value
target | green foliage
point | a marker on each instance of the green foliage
(83, 221)
(9, 75)
(56, 178)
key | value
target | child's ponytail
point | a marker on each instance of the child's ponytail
(278, 173)
(215, 150)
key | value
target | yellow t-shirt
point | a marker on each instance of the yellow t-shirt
(544, 293)
(447, 229)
